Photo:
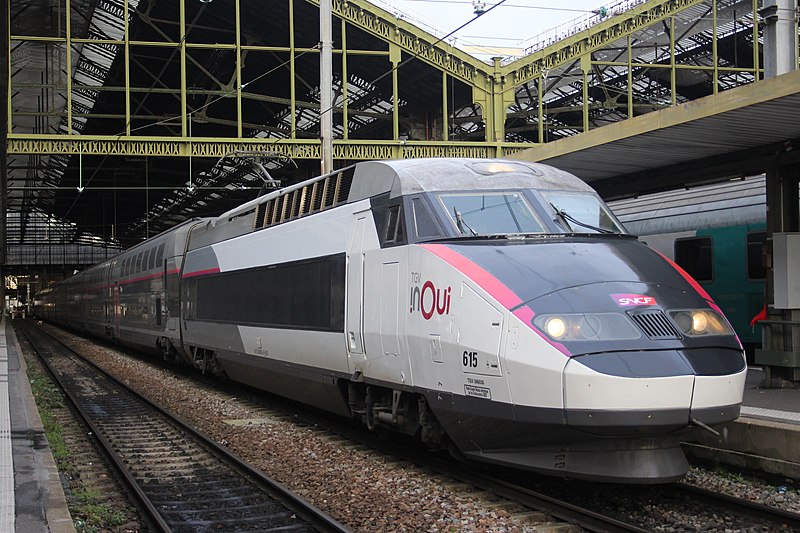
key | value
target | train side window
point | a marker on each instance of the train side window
(755, 255)
(138, 266)
(695, 256)
(424, 223)
(160, 254)
(146, 260)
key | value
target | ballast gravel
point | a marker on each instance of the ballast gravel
(370, 492)
(360, 488)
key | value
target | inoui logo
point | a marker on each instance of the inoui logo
(631, 300)
(428, 299)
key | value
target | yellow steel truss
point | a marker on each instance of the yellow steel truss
(494, 87)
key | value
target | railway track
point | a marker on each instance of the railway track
(182, 480)
(539, 495)
(589, 506)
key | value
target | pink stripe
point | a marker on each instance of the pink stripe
(133, 280)
(711, 303)
(526, 314)
(700, 290)
(493, 286)
(201, 272)
(486, 281)
(144, 278)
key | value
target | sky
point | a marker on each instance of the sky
(513, 25)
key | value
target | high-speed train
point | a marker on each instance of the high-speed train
(490, 306)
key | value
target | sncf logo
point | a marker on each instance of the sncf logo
(428, 299)
(632, 300)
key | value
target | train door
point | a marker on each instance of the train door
(108, 301)
(389, 310)
(116, 310)
(385, 317)
(354, 317)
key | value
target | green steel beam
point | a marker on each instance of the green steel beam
(293, 73)
(572, 48)
(238, 70)
(493, 86)
(68, 66)
(216, 148)
(345, 89)
(411, 40)
(182, 43)
(127, 52)
(744, 96)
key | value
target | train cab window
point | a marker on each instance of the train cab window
(695, 256)
(582, 213)
(395, 226)
(755, 255)
(424, 223)
(495, 213)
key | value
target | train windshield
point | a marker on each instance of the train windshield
(582, 213)
(490, 213)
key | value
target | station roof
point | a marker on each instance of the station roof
(739, 132)
(130, 197)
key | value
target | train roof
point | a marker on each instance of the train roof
(731, 203)
(412, 176)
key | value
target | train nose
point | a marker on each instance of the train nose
(651, 392)
(634, 403)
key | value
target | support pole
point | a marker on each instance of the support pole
(780, 34)
(5, 95)
(781, 344)
(326, 85)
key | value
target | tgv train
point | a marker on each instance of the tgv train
(489, 306)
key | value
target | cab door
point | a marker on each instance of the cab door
(354, 316)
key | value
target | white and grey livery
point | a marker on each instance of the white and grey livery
(491, 306)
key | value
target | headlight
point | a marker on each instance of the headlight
(555, 327)
(587, 327)
(700, 322)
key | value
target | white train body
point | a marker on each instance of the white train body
(559, 345)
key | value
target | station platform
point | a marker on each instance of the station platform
(31, 496)
(766, 437)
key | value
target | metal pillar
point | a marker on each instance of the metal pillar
(780, 34)
(780, 355)
(326, 85)
(4, 88)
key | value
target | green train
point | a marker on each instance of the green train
(717, 233)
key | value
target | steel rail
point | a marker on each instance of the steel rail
(742, 507)
(533, 500)
(559, 509)
(316, 518)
